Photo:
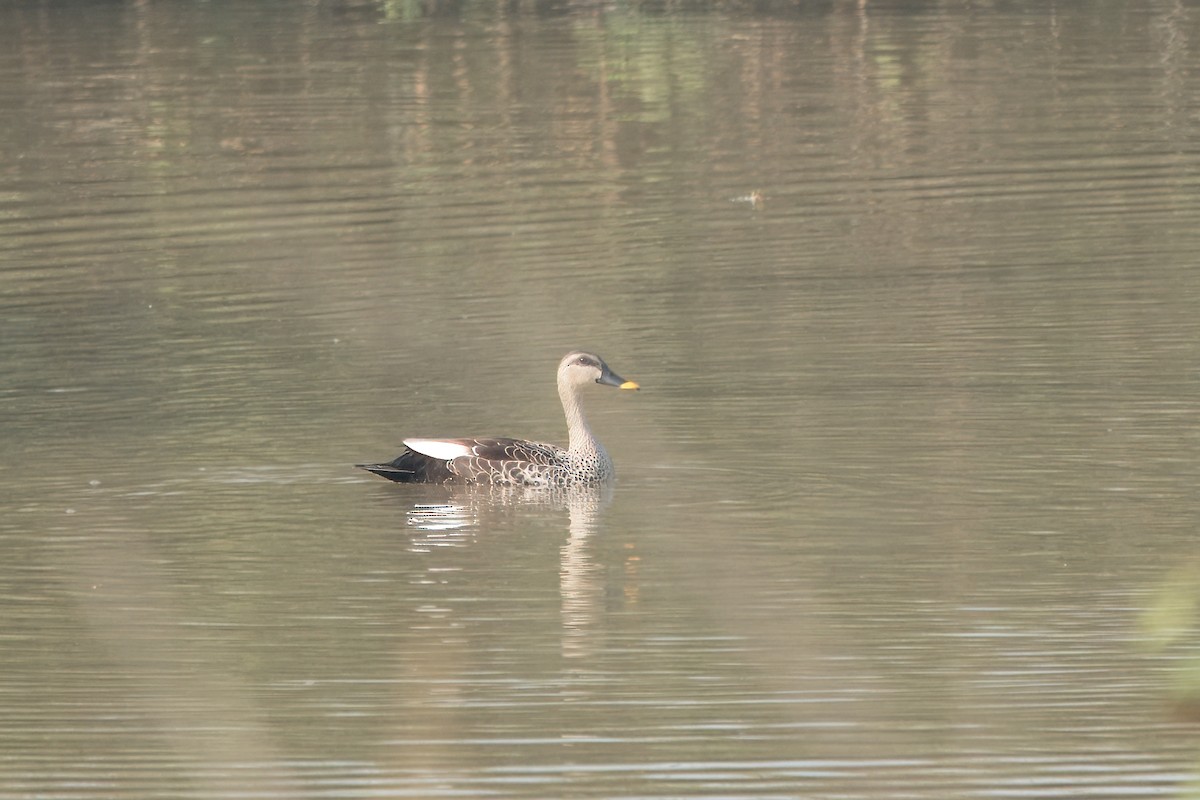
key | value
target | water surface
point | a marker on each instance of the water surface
(906, 506)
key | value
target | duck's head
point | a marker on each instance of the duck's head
(579, 368)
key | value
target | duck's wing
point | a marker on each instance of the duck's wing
(492, 460)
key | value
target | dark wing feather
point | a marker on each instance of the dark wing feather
(513, 450)
(412, 467)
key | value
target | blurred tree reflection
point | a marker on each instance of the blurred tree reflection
(1171, 624)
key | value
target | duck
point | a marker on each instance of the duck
(518, 462)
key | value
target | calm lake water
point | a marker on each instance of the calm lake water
(907, 505)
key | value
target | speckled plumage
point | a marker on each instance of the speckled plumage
(517, 462)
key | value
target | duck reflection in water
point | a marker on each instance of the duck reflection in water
(453, 520)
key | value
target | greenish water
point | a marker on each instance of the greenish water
(906, 506)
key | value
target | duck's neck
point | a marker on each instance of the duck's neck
(581, 438)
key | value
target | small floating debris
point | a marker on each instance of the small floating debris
(756, 200)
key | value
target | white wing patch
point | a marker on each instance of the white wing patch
(442, 449)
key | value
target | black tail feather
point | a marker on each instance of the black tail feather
(411, 467)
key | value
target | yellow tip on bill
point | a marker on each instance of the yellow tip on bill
(630, 385)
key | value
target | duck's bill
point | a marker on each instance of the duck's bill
(613, 379)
